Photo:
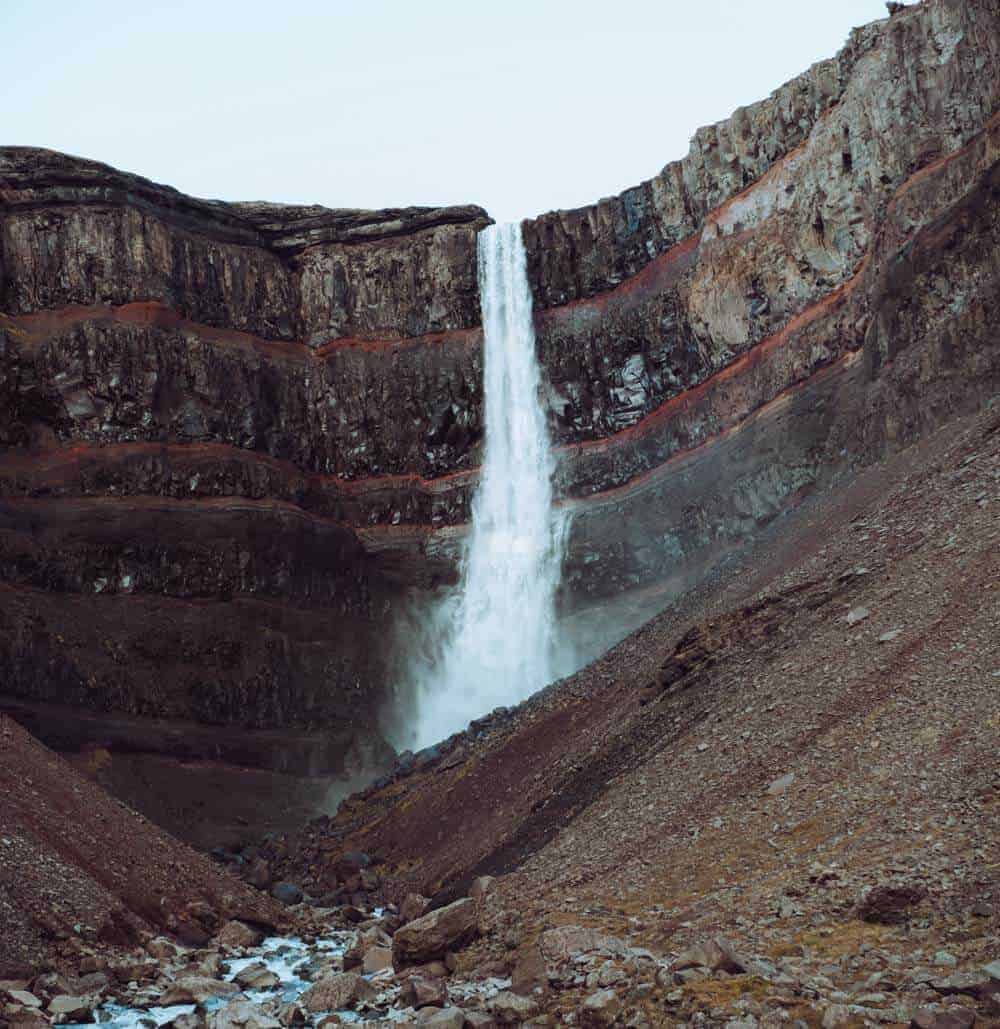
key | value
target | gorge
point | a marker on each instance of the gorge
(237, 439)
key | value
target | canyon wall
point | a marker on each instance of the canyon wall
(233, 436)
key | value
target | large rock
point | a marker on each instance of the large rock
(717, 954)
(336, 991)
(242, 1014)
(434, 934)
(511, 1008)
(196, 990)
(420, 991)
(71, 1009)
(600, 1009)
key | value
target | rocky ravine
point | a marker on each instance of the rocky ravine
(233, 435)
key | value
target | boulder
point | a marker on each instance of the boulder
(480, 887)
(376, 959)
(420, 992)
(442, 1018)
(413, 906)
(66, 1008)
(190, 1020)
(242, 1014)
(600, 1009)
(239, 934)
(24, 998)
(565, 942)
(890, 904)
(259, 874)
(287, 893)
(196, 989)
(434, 934)
(161, 948)
(336, 991)
(511, 1008)
(718, 954)
(290, 1015)
(530, 975)
(256, 977)
(937, 1018)
(480, 1020)
(978, 984)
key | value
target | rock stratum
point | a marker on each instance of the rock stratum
(235, 436)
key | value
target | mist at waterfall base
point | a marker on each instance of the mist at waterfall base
(493, 641)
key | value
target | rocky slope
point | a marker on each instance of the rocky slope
(233, 436)
(83, 874)
(798, 758)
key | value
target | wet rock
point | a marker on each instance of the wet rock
(24, 998)
(286, 892)
(242, 1014)
(600, 1009)
(890, 904)
(339, 990)
(510, 1008)
(434, 934)
(256, 977)
(190, 1020)
(290, 1015)
(420, 992)
(197, 990)
(239, 934)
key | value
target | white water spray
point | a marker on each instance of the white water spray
(496, 637)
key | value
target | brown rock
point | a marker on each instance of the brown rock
(718, 954)
(420, 992)
(71, 1009)
(376, 959)
(600, 1009)
(339, 990)
(434, 934)
(567, 941)
(512, 1009)
(936, 1018)
(238, 934)
(242, 1014)
(480, 887)
(195, 989)
(890, 904)
(413, 906)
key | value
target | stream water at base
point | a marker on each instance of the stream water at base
(494, 640)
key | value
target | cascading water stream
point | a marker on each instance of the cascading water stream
(496, 636)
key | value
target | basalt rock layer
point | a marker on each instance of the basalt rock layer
(233, 435)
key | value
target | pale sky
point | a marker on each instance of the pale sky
(520, 106)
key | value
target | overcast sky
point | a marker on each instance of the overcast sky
(520, 105)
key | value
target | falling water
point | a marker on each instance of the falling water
(497, 639)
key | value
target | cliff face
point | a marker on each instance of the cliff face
(231, 434)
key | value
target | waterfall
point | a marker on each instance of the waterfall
(496, 636)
